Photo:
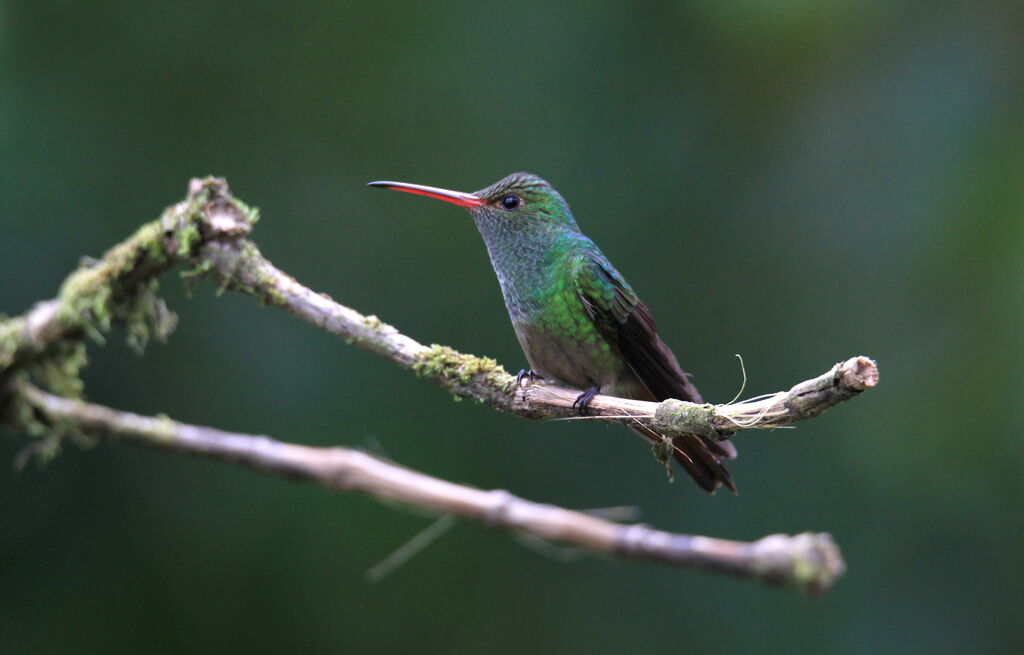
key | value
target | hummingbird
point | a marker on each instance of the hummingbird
(577, 319)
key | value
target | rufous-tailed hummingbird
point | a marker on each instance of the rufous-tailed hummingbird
(577, 319)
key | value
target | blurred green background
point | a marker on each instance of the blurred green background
(795, 181)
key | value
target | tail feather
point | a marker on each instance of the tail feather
(722, 449)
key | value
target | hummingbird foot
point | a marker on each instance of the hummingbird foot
(583, 400)
(530, 374)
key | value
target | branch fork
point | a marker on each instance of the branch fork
(42, 351)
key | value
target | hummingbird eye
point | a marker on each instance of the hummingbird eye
(511, 202)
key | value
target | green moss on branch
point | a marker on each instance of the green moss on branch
(48, 342)
(466, 375)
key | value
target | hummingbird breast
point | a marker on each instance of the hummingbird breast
(556, 333)
(573, 357)
(558, 337)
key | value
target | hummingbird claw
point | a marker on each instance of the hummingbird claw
(530, 374)
(582, 401)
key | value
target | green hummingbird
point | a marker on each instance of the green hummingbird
(577, 319)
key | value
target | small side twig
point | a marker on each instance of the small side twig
(809, 562)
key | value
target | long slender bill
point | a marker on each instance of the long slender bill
(455, 197)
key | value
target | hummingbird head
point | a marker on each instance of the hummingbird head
(520, 202)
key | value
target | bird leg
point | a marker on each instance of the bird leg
(530, 374)
(583, 400)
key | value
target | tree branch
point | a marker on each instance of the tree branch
(120, 287)
(241, 267)
(208, 231)
(809, 562)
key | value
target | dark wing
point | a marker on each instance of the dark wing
(624, 320)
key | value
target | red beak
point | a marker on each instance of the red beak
(455, 197)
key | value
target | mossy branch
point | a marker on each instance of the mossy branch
(207, 232)
(241, 267)
(120, 287)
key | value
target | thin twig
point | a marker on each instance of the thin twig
(809, 561)
(411, 548)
